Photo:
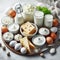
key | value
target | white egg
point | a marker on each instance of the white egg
(12, 43)
(23, 50)
(52, 50)
(17, 37)
(54, 29)
(18, 46)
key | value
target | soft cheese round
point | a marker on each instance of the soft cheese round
(17, 37)
(8, 36)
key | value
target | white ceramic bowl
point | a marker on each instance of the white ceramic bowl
(38, 40)
(13, 28)
(6, 20)
(44, 31)
(30, 35)
(8, 36)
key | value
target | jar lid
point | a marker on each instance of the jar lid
(39, 13)
(48, 16)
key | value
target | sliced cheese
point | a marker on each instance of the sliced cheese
(31, 45)
(25, 43)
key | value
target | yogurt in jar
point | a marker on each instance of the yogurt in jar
(48, 20)
(38, 18)
(19, 19)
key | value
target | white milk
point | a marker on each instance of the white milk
(19, 19)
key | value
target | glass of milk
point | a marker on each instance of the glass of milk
(38, 18)
(19, 19)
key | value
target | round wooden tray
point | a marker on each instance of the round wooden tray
(18, 52)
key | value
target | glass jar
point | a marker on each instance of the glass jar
(28, 12)
(38, 18)
(48, 22)
(28, 17)
(19, 19)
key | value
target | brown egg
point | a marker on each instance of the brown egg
(12, 13)
(53, 35)
(55, 22)
(4, 29)
(49, 40)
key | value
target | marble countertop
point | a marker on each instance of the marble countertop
(3, 5)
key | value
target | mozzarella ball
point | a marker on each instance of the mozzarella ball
(18, 46)
(12, 43)
(23, 50)
(52, 50)
(54, 29)
(18, 37)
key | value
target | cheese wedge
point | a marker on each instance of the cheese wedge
(31, 45)
(25, 42)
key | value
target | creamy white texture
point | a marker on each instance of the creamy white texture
(39, 40)
(7, 36)
(28, 12)
(38, 18)
(48, 20)
(44, 31)
(19, 19)
(28, 8)
(6, 20)
(54, 29)
(13, 28)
